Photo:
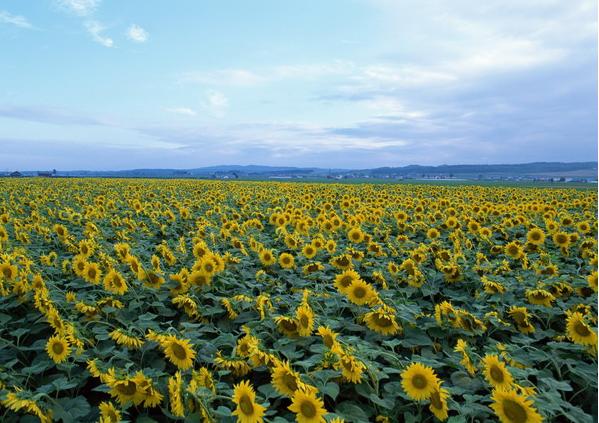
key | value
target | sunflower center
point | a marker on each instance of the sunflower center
(581, 329)
(245, 403)
(57, 348)
(6, 272)
(496, 374)
(514, 411)
(359, 292)
(346, 281)
(328, 340)
(308, 410)
(289, 325)
(127, 388)
(179, 351)
(382, 321)
(91, 273)
(290, 381)
(419, 381)
(519, 317)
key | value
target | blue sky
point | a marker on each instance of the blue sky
(106, 84)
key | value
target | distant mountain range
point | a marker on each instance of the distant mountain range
(537, 170)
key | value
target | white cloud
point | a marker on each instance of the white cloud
(216, 103)
(15, 20)
(137, 34)
(185, 111)
(95, 29)
(79, 7)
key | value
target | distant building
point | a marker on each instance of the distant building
(45, 174)
(15, 174)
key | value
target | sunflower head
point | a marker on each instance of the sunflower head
(419, 381)
(247, 410)
(58, 348)
(360, 292)
(579, 331)
(179, 351)
(285, 380)
(496, 373)
(308, 408)
(513, 408)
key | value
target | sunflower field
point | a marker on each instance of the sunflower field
(219, 301)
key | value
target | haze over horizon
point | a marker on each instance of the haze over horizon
(105, 85)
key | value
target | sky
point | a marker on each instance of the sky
(109, 84)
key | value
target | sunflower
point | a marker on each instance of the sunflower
(247, 410)
(345, 279)
(246, 345)
(127, 389)
(438, 404)
(521, 317)
(109, 413)
(308, 408)
(179, 351)
(329, 338)
(492, 287)
(15, 402)
(578, 331)
(513, 408)
(285, 380)
(115, 283)
(539, 297)
(382, 321)
(433, 233)
(360, 292)
(583, 227)
(287, 325)
(175, 386)
(592, 280)
(92, 273)
(514, 250)
(355, 235)
(153, 280)
(286, 261)
(238, 367)
(78, 264)
(342, 262)
(351, 368)
(128, 341)
(561, 239)
(267, 258)
(462, 347)
(309, 251)
(535, 236)
(419, 381)
(496, 373)
(58, 348)
(305, 320)
(199, 278)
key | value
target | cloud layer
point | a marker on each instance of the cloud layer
(388, 84)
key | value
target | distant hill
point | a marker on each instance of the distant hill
(532, 171)
(588, 169)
